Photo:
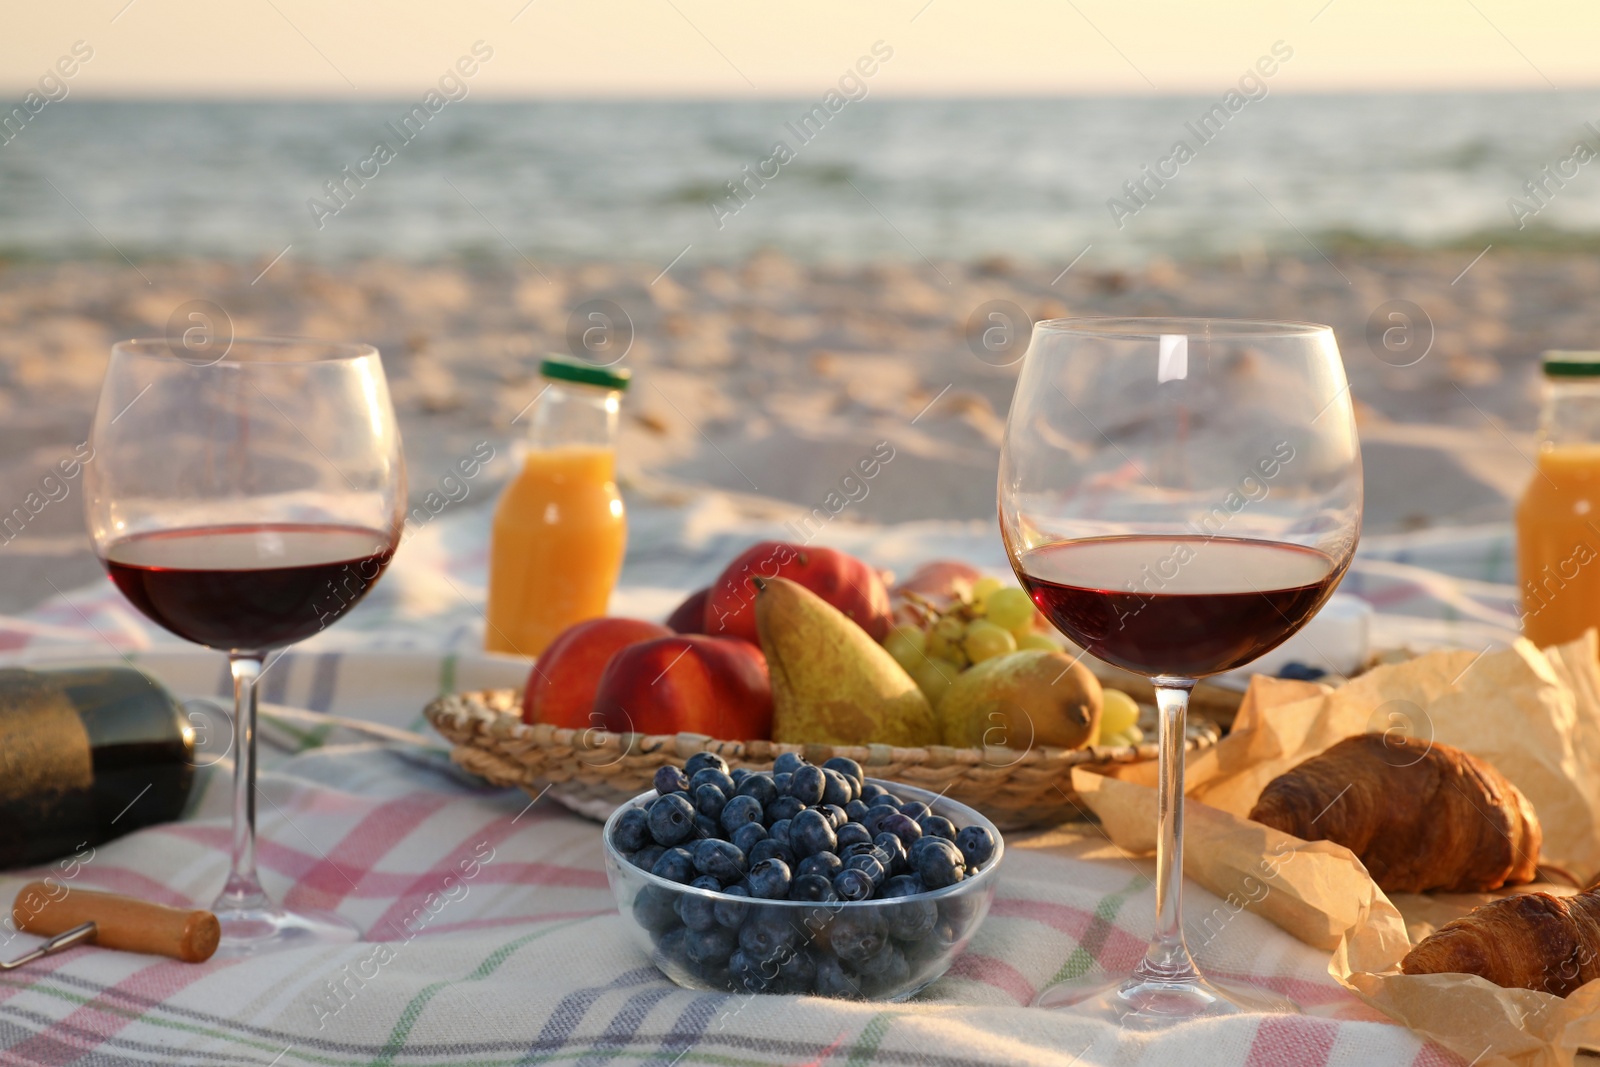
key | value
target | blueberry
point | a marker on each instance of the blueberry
(675, 865)
(911, 920)
(857, 934)
(759, 786)
(782, 832)
(824, 863)
(670, 779)
(721, 860)
(770, 850)
(788, 763)
(976, 844)
(711, 945)
(739, 811)
(834, 981)
(780, 783)
(857, 848)
(902, 826)
(869, 865)
(709, 800)
(646, 857)
(815, 886)
(796, 972)
(712, 776)
(672, 949)
(881, 973)
(939, 941)
(767, 934)
(769, 880)
(835, 788)
(732, 912)
(890, 846)
(853, 884)
(632, 831)
(915, 808)
(850, 834)
(655, 909)
(835, 814)
(939, 864)
(885, 800)
(937, 826)
(698, 912)
(783, 808)
(871, 791)
(856, 810)
(739, 774)
(808, 784)
(902, 885)
(705, 826)
(810, 831)
(701, 760)
(746, 972)
(671, 819)
(745, 838)
(847, 767)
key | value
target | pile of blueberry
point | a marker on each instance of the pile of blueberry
(821, 835)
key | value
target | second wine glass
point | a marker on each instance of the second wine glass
(1178, 496)
(246, 497)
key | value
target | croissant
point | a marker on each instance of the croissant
(1532, 941)
(1419, 815)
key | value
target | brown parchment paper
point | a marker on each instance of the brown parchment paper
(1534, 714)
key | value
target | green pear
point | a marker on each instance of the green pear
(1022, 700)
(831, 682)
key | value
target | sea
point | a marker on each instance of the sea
(657, 181)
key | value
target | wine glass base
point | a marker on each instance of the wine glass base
(1149, 1004)
(259, 928)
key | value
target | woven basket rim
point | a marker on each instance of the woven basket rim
(502, 707)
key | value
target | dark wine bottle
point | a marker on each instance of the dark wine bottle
(86, 754)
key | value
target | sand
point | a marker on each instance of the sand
(768, 379)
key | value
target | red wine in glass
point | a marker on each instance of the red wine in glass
(1186, 605)
(249, 587)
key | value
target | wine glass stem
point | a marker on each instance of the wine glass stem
(244, 889)
(1168, 959)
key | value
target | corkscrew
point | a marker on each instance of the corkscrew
(70, 917)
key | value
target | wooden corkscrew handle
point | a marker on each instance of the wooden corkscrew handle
(123, 923)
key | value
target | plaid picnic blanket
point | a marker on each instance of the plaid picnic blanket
(490, 934)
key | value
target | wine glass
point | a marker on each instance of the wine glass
(244, 498)
(1178, 496)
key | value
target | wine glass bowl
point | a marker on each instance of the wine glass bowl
(246, 501)
(1179, 497)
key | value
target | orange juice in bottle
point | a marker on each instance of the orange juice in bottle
(1558, 519)
(559, 529)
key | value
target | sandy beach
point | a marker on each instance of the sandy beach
(766, 379)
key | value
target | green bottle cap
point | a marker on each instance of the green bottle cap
(1563, 364)
(566, 369)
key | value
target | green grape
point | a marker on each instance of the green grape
(1040, 641)
(985, 640)
(983, 587)
(1118, 711)
(933, 677)
(906, 650)
(951, 627)
(1010, 609)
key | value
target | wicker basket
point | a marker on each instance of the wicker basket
(593, 771)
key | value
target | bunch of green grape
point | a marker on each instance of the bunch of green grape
(994, 619)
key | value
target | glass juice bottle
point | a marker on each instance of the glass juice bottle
(1558, 519)
(559, 528)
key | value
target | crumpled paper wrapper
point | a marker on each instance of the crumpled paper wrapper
(1535, 715)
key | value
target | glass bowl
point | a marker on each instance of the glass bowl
(887, 949)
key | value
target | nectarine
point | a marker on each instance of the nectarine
(840, 579)
(562, 684)
(687, 683)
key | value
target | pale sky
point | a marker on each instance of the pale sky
(348, 48)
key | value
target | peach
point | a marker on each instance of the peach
(691, 683)
(562, 684)
(840, 579)
(690, 616)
